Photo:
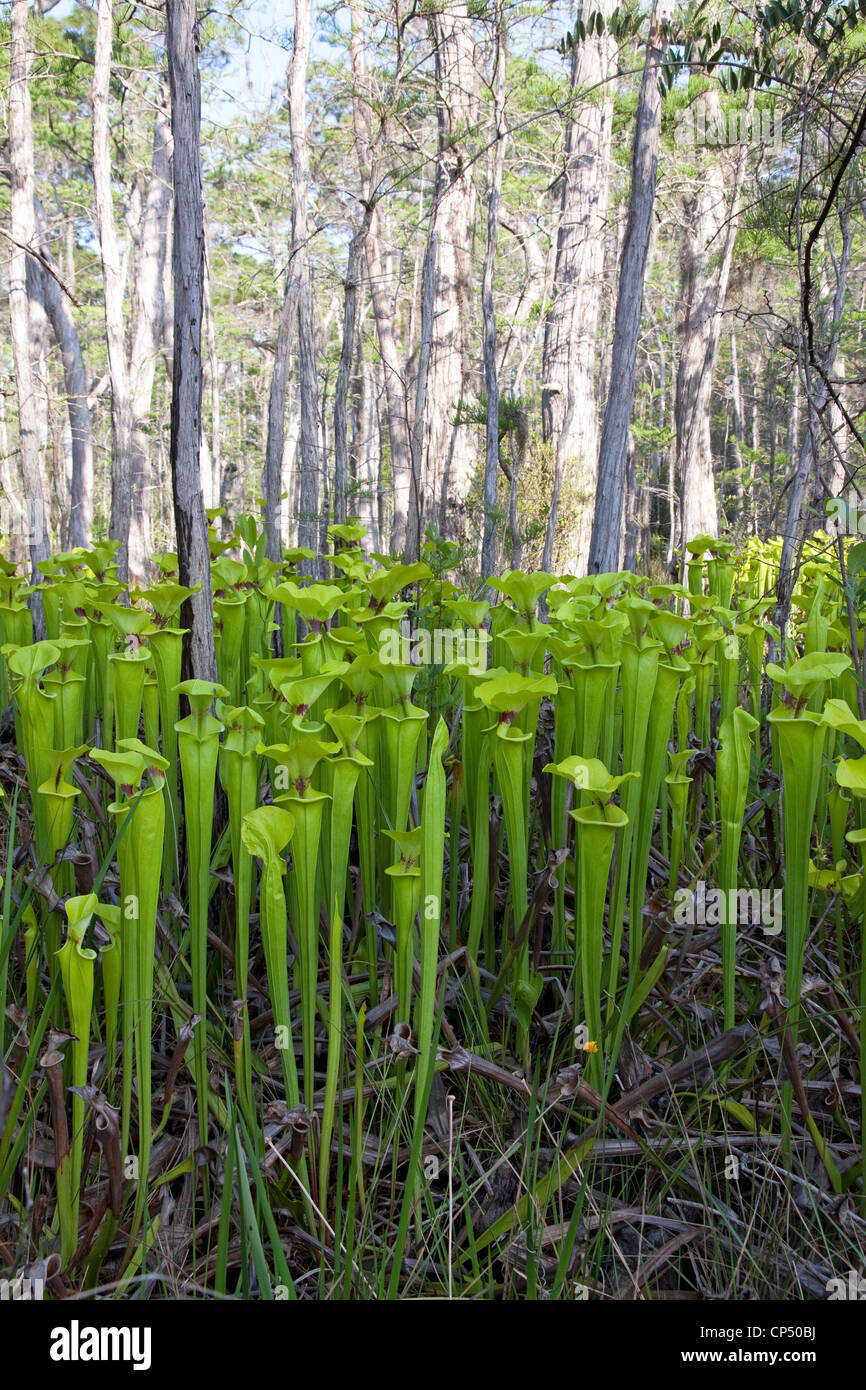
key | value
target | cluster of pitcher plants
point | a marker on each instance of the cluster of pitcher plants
(259, 917)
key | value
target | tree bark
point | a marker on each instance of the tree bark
(188, 276)
(32, 511)
(604, 548)
(276, 432)
(448, 458)
(341, 389)
(308, 443)
(75, 383)
(817, 399)
(705, 265)
(380, 288)
(113, 281)
(569, 411)
(491, 379)
(150, 262)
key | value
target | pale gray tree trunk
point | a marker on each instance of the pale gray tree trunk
(276, 429)
(706, 252)
(380, 288)
(736, 416)
(213, 375)
(75, 383)
(448, 458)
(188, 276)
(30, 508)
(308, 444)
(569, 412)
(113, 281)
(817, 399)
(421, 495)
(366, 450)
(341, 389)
(491, 379)
(607, 522)
(150, 262)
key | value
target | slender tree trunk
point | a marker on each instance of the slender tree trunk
(569, 411)
(75, 383)
(607, 522)
(365, 449)
(380, 292)
(736, 418)
(113, 282)
(491, 380)
(150, 262)
(448, 459)
(817, 398)
(188, 275)
(276, 430)
(706, 252)
(308, 444)
(32, 507)
(213, 374)
(421, 493)
(341, 390)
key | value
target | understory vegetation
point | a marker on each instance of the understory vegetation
(495, 944)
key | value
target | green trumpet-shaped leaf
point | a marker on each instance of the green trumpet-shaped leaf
(267, 830)
(510, 692)
(524, 590)
(851, 774)
(839, 715)
(590, 775)
(802, 677)
(201, 695)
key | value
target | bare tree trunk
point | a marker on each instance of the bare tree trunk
(491, 380)
(421, 494)
(308, 444)
(113, 279)
(569, 410)
(705, 268)
(152, 252)
(817, 397)
(449, 457)
(607, 522)
(75, 383)
(365, 449)
(188, 275)
(23, 233)
(276, 433)
(380, 293)
(736, 417)
(213, 373)
(835, 473)
(341, 389)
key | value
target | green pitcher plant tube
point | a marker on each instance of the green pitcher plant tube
(266, 832)
(294, 770)
(597, 823)
(732, 780)
(198, 746)
(405, 876)
(239, 777)
(77, 964)
(138, 772)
